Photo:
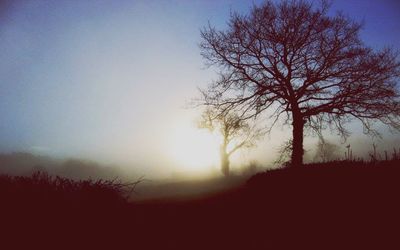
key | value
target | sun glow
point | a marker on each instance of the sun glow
(193, 149)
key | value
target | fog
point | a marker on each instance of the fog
(108, 83)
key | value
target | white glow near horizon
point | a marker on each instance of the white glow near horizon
(194, 150)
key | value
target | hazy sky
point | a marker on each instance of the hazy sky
(108, 80)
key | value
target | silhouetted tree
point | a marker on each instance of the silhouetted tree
(293, 59)
(235, 132)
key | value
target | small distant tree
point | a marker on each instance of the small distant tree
(303, 65)
(326, 151)
(235, 133)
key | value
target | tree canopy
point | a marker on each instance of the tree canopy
(305, 66)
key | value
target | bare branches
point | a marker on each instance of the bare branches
(235, 132)
(313, 66)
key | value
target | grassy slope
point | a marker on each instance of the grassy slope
(181, 190)
(319, 206)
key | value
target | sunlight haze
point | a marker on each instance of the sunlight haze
(111, 81)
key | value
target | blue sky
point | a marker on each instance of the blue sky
(108, 80)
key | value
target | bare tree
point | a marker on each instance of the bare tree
(309, 68)
(235, 133)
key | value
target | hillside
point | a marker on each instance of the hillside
(322, 206)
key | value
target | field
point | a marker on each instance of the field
(337, 205)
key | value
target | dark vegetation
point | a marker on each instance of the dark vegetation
(61, 191)
(338, 205)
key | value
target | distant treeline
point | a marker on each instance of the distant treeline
(25, 164)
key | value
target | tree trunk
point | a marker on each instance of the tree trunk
(224, 161)
(297, 143)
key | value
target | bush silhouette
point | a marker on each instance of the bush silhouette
(42, 189)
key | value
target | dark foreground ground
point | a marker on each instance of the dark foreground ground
(338, 205)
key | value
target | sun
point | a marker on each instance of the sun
(193, 149)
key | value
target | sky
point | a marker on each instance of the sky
(110, 80)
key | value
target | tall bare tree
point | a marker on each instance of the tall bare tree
(235, 133)
(310, 68)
